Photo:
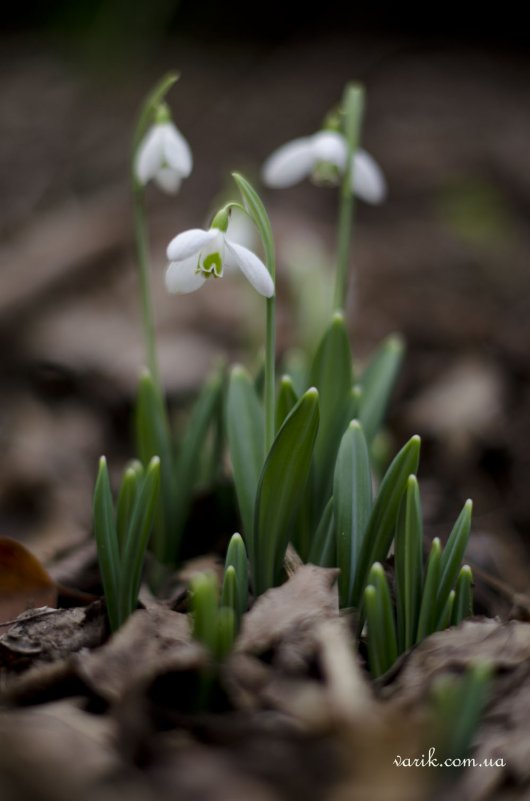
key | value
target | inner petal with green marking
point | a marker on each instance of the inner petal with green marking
(211, 264)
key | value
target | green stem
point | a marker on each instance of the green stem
(142, 255)
(353, 111)
(144, 120)
(270, 348)
(254, 207)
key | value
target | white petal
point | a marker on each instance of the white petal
(189, 243)
(252, 268)
(181, 276)
(289, 164)
(168, 179)
(368, 180)
(150, 154)
(176, 150)
(330, 146)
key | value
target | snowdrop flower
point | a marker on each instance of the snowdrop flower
(163, 155)
(197, 254)
(323, 156)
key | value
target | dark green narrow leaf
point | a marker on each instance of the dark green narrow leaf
(385, 630)
(280, 488)
(352, 491)
(453, 553)
(245, 429)
(138, 534)
(444, 619)
(381, 525)
(129, 487)
(428, 610)
(377, 383)
(323, 551)
(375, 646)
(463, 606)
(408, 562)
(286, 401)
(107, 544)
(332, 374)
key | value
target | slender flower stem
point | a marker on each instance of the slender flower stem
(352, 111)
(270, 347)
(254, 207)
(145, 117)
(142, 255)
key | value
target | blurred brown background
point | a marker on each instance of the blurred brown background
(444, 261)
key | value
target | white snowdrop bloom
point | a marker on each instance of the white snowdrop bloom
(197, 254)
(320, 155)
(163, 156)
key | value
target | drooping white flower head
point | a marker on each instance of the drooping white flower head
(163, 155)
(197, 254)
(319, 155)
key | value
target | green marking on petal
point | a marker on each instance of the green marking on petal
(212, 265)
(325, 174)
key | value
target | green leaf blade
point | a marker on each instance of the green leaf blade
(280, 488)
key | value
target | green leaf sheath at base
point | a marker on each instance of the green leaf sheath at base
(107, 544)
(323, 550)
(453, 553)
(286, 400)
(377, 383)
(380, 618)
(204, 606)
(128, 491)
(408, 561)
(463, 606)
(352, 493)
(429, 607)
(226, 632)
(280, 489)
(153, 438)
(188, 461)
(381, 525)
(332, 374)
(229, 594)
(138, 535)
(236, 557)
(245, 433)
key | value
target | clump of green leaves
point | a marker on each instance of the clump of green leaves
(122, 533)
(425, 600)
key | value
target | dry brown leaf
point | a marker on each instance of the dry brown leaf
(24, 583)
(151, 642)
(293, 609)
(45, 635)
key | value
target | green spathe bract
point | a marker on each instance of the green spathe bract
(280, 488)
